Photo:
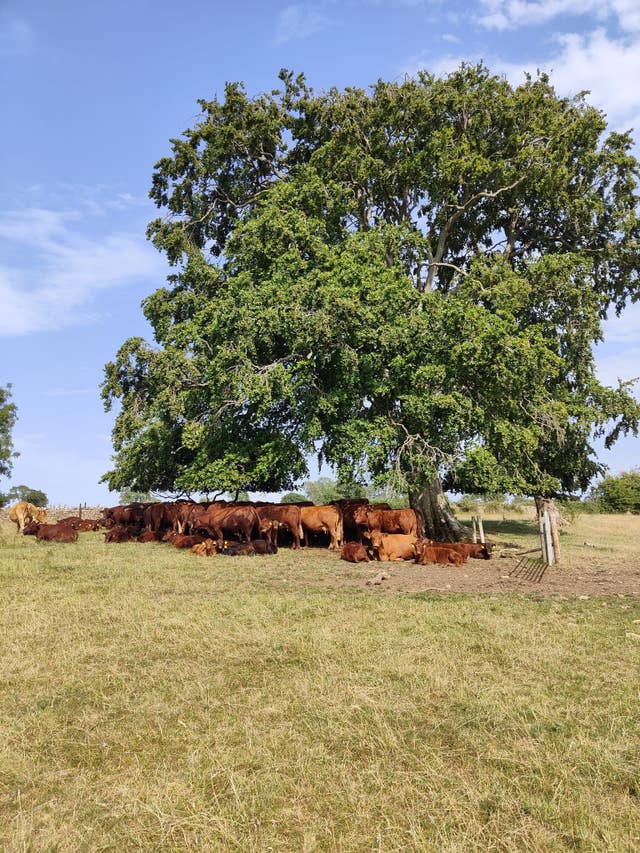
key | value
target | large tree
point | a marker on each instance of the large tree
(407, 280)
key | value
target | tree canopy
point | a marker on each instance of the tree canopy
(25, 493)
(619, 493)
(8, 417)
(407, 280)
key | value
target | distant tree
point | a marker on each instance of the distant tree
(322, 491)
(129, 496)
(26, 493)
(619, 493)
(8, 417)
(293, 498)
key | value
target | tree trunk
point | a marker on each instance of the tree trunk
(439, 521)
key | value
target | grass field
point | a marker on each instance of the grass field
(152, 700)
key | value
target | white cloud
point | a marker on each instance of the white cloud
(604, 66)
(511, 14)
(298, 22)
(54, 268)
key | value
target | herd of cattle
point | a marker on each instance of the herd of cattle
(361, 530)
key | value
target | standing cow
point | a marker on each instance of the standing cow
(23, 513)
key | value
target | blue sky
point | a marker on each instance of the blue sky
(92, 93)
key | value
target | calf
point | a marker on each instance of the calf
(183, 541)
(239, 549)
(393, 547)
(208, 548)
(261, 546)
(56, 533)
(354, 552)
(150, 536)
(121, 534)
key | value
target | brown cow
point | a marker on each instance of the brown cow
(234, 520)
(388, 520)
(208, 548)
(121, 534)
(56, 533)
(127, 515)
(23, 512)
(31, 528)
(238, 549)
(181, 540)
(445, 556)
(322, 519)
(476, 550)
(275, 517)
(261, 546)
(393, 546)
(354, 552)
(81, 524)
(150, 536)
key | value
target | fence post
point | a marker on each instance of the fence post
(547, 536)
(553, 524)
(481, 529)
(474, 524)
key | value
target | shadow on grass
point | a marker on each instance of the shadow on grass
(508, 526)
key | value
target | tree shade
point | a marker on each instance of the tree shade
(407, 280)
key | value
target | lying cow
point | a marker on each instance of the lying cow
(56, 533)
(121, 534)
(444, 556)
(208, 548)
(261, 546)
(476, 550)
(393, 547)
(238, 549)
(181, 540)
(23, 512)
(354, 552)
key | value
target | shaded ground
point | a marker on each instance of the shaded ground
(600, 556)
(595, 577)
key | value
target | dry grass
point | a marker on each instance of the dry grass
(156, 701)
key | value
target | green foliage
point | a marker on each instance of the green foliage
(25, 493)
(128, 496)
(322, 491)
(619, 493)
(8, 417)
(293, 498)
(406, 280)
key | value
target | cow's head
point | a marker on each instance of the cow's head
(376, 538)
(40, 515)
(360, 515)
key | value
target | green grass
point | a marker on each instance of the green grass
(152, 700)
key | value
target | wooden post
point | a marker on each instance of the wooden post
(481, 529)
(553, 523)
(543, 538)
(80, 510)
(547, 536)
(474, 522)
